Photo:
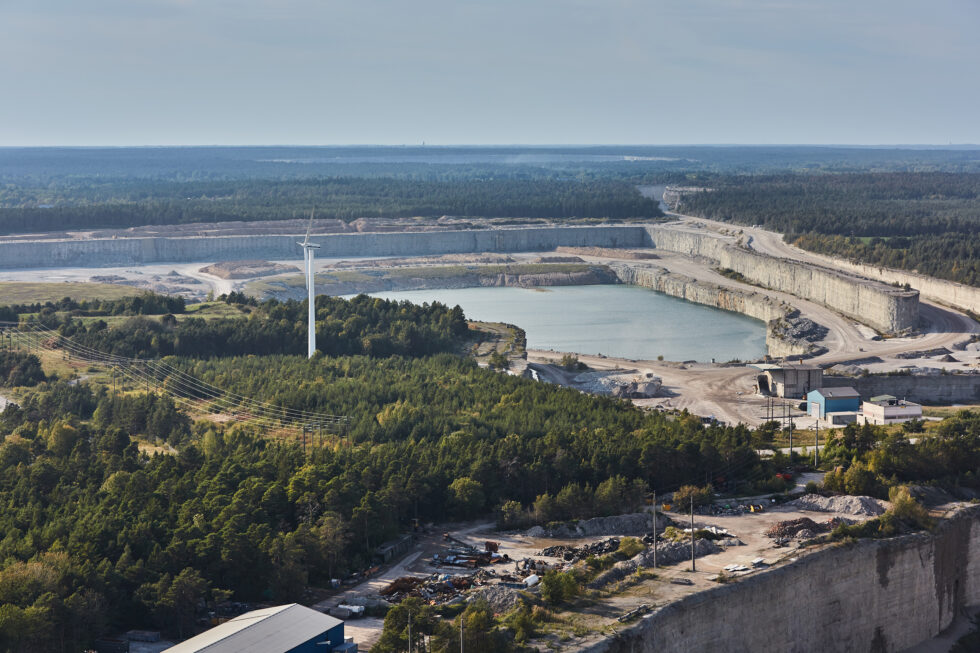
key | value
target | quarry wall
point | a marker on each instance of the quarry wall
(920, 388)
(133, 251)
(952, 294)
(885, 308)
(753, 304)
(874, 595)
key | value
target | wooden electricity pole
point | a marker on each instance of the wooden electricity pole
(654, 529)
(816, 443)
(693, 568)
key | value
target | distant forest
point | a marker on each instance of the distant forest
(54, 189)
(929, 222)
(131, 203)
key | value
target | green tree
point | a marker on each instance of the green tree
(466, 497)
(558, 586)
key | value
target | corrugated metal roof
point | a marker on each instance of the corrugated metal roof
(838, 393)
(261, 631)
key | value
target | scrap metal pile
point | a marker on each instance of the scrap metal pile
(438, 589)
(462, 554)
(570, 553)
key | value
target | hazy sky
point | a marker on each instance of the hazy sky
(120, 72)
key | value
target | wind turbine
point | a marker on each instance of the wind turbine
(308, 248)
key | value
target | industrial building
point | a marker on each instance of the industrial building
(790, 381)
(835, 405)
(886, 409)
(289, 628)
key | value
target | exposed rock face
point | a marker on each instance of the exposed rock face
(884, 595)
(929, 388)
(137, 250)
(592, 276)
(674, 195)
(888, 309)
(781, 334)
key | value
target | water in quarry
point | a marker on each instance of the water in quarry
(622, 321)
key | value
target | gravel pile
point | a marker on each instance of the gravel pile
(793, 527)
(500, 598)
(849, 505)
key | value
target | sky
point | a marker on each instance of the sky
(198, 72)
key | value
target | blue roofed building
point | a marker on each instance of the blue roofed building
(289, 628)
(825, 403)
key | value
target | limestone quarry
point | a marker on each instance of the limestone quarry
(814, 309)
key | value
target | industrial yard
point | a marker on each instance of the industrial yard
(755, 538)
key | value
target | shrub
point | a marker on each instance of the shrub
(701, 495)
(498, 361)
(511, 515)
(629, 547)
(558, 587)
(907, 509)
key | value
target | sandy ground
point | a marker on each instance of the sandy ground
(726, 393)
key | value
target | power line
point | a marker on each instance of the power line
(185, 389)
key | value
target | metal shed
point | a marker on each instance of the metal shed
(832, 400)
(289, 628)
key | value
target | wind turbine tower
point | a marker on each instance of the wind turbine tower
(308, 248)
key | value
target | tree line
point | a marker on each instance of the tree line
(142, 303)
(145, 202)
(363, 325)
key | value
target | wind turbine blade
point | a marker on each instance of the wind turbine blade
(309, 227)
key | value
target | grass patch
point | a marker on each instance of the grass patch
(211, 311)
(946, 411)
(29, 292)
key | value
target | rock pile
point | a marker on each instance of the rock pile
(668, 553)
(500, 597)
(849, 505)
(570, 553)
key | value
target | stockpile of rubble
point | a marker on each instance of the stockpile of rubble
(501, 598)
(668, 553)
(849, 505)
(570, 553)
(803, 528)
(793, 527)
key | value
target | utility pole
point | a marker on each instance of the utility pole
(654, 529)
(409, 632)
(816, 443)
(461, 633)
(789, 423)
(693, 568)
